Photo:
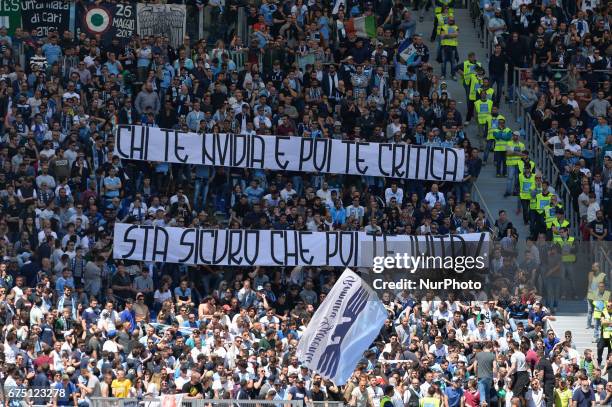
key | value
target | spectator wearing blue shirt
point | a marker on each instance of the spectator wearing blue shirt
(550, 341)
(128, 315)
(65, 280)
(601, 131)
(537, 314)
(66, 392)
(254, 192)
(52, 51)
(338, 213)
(454, 393)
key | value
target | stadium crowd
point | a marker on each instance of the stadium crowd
(74, 319)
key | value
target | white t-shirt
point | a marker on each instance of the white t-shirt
(518, 359)
(535, 398)
(361, 398)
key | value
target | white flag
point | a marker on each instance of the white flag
(343, 327)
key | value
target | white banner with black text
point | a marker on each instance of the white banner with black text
(246, 247)
(287, 153)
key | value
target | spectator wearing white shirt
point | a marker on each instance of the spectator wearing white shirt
(324, 193)
(261, 120)
(288, 192)
(394, 192)
(435, 196)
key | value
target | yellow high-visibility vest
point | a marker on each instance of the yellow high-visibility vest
(550, 213)
(442, 21)
(559, 225)
(566, 245)
(521, 166)
(500, 142)
(607, 330)
(449, 29)
(440, 4)
(469, 70)
(517, 147)
(533, 202)
(542, 201)
(526, 185)
(493, 124)
(483, 110)
(475, 86)
(599, 303)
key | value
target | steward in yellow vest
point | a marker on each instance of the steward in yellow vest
(527, 184)
(543, 198)
(526, 162)
(486, 86)
(568, 249)
(386, 400)
(430, 400)
(441, 4)
(493, 122)
(502, 136)
(468, 69)
(476, 84)
(559, 222)
(606, 324)
(514, 150)
(483, 107)
(599, 299)
(449, 34)
(550, 213)
(440, 20)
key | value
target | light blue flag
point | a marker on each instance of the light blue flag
(343, 328)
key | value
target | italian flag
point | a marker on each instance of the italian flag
(364, 27)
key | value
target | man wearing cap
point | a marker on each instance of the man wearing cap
(65, 392)
(514, 153)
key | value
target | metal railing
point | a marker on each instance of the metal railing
(550, 172)
(602, 255)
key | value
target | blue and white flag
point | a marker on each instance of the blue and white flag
(343, 328)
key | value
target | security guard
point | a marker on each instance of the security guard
(502, 136)
(475, 86)
(441, 4)
(514, 153)
(542, 201)
(559, 221)
(606, 332)
(599, 299)
(449, 41)
(430, 400)
(534, 216)
(486, 86)
(492, 125)
(527, 183)
(568, 258)
(526, 162)
(440, 20)
(550, 214)
(468, 69)
(483, 107)
(386, 400)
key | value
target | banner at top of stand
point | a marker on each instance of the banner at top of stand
(288, 153)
